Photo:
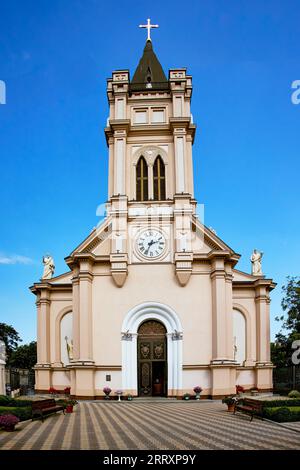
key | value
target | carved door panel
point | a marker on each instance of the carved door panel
(146, 378)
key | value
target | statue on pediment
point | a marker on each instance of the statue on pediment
(49, 267)
(256, 258)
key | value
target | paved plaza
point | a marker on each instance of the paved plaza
(170, 425)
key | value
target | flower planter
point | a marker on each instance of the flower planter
(9, 428)
(8, 422)
(197, 397)
(69, 409)
(230, 408)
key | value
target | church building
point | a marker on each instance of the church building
(152, 303)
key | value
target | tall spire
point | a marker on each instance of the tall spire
(149, 72)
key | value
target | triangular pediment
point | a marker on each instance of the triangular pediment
(65, 278)
(99, 237)
(206, 240)
(240, 276)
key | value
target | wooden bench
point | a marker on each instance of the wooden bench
(251, 407)
(41, 408)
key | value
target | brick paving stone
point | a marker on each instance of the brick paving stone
(172, 425)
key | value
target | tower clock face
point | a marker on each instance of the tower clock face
(151, 243)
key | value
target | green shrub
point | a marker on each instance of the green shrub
(280, 403)
(22, 413)
(61, 402)
(7, 401)
(294, 394)
(4, 400)
(19, 403)
(230, 400)
(282, 414)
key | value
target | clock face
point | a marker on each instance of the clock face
(151, 243)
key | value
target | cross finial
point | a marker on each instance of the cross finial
(148, 26)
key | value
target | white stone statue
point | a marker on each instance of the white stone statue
(49, 267)
(235, 349)
(69, 348)
(256, 263)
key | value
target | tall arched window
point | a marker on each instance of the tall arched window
(239, 336)
(159, 180)
(142, 180)
(66, 338)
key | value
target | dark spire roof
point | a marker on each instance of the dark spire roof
(149, 73)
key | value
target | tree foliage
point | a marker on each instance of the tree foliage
(24, 357)
(10, 337)
(281, 349)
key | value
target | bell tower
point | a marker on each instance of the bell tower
(150, 134)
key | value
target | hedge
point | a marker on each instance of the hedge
(8, 401)
(22, 413)
(280, 403)
(282, 414)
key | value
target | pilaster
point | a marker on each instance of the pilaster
(85, 321)
(43, 326)
(119, 240)
(262, 304)
(221, 347)
(183, 257)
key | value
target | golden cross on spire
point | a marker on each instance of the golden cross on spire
(148, 26)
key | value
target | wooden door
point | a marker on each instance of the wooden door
(152, 359)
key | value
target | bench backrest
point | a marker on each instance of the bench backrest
(42, 404)
(255, 404)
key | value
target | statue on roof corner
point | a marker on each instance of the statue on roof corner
(256, 258)
(49, 267)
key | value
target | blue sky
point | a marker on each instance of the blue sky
(55, 58)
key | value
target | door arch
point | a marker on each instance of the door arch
(168, 317)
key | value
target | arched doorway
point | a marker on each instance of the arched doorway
(129, 332)
(152, 359)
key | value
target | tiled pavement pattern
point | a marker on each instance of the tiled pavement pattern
(176, 425)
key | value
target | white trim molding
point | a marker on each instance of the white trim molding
(131, 323)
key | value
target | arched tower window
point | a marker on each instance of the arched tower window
(159, 180)
(142, 180)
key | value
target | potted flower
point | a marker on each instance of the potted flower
(69, 405)
(230, 402)
(186, 396)
(107, 391)
(129, 397)
(197, 391)
(67, 390)
(52, 391)
(239, 389)
(119, 393)
(8, 422)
